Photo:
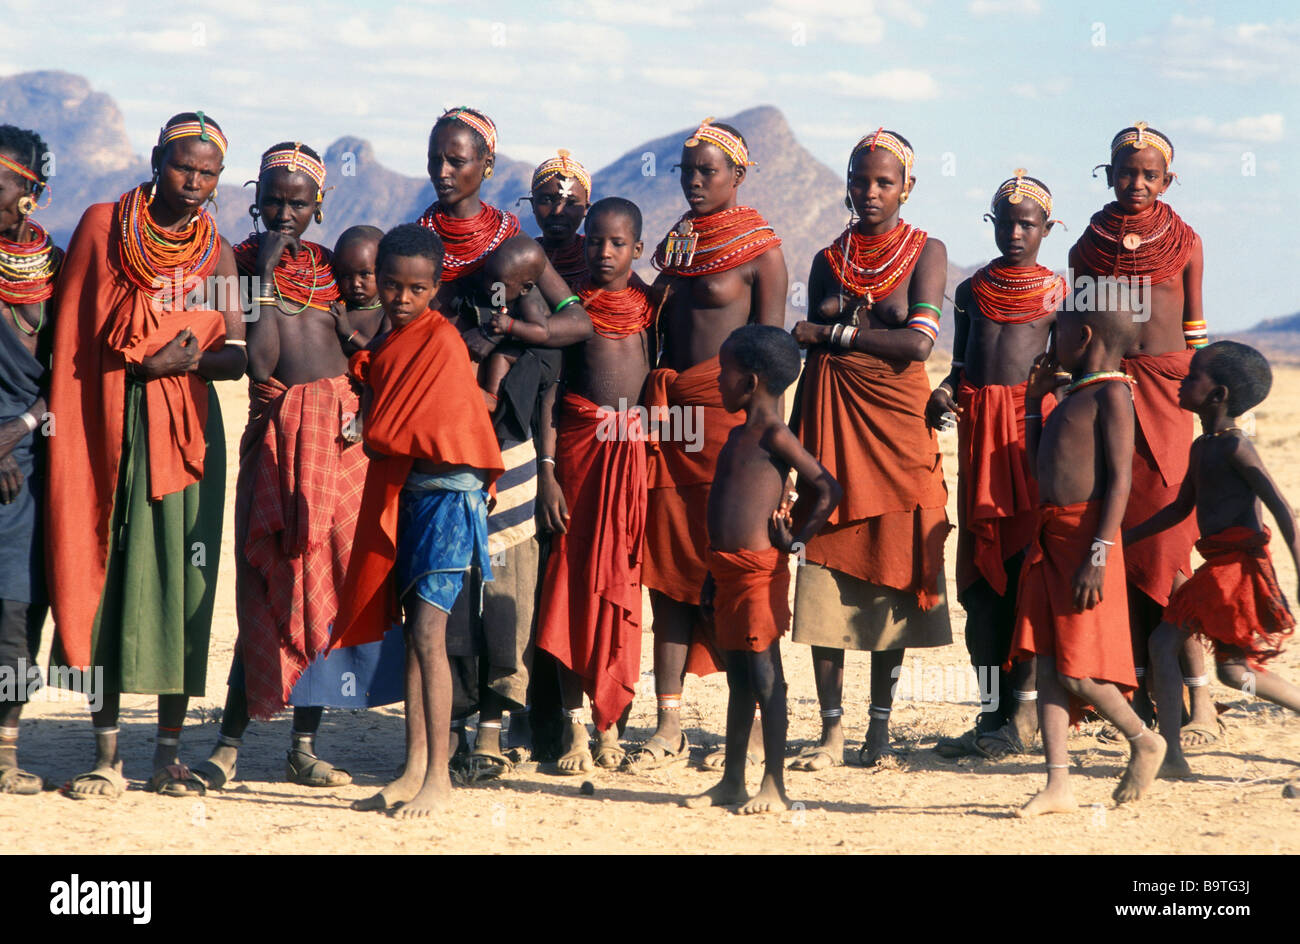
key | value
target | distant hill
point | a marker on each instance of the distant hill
(799, 195)
(1277, 338)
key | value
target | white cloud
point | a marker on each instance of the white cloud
(813, 21)
(1255, 129)
(1197, 49)
(1043, 89)
(897, 85)
(1004, 7)
(661, 13)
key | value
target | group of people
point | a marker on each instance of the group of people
(468, 451)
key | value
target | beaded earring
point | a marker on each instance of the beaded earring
(153, 189)
(26, 205)
(487, 172)
(903, 198)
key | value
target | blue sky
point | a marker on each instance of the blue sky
(979, 87)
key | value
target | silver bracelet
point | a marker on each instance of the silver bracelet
(29, 421)
(550, 459)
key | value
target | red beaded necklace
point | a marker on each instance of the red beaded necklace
(570, 260)
(617, 314)
(155, 258)
(1154, 243)
(467, 243)
(1016, 294)
(872, 266)
(27, 269)
(715, 242)
(306, 280)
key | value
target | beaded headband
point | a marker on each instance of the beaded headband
(294, 161)
(1140, 136)
(476, 120)
(731, 145)
(1017, 188)
(891, 143)
(27, 174)
(200, 128)
(562, 165)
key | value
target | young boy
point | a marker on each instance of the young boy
(748, 581)
(354, 271)
(506, 284)
(1233, 599)
(1140, 240)
(423, 522)
(591, 485)
(300, 474)
(1004, 313)
(1071, 611)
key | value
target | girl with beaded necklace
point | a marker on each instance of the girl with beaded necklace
(29, 263)
(873, 579)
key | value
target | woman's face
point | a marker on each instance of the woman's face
(455, 167)
(709, 179)
(188, 172)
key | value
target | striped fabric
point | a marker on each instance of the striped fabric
(511, 520)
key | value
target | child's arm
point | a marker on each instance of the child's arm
(552, 512)
(569, 324)
(1251, 468)
(1042, 381)
(1115, 419)
(944, 398)
(785, 447)
(1178, 509)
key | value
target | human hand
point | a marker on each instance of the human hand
(11, 479)
(1088, 580)
(1044, 377)
(941, 410)
(780, 530)
(180, 355)
(552, 512)
(269, 253)
(807, 333)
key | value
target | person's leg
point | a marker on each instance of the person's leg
(1144, 616)
(1237, 673)
(740, 718)
(417, 756)
(1054, 721)
(1164, 679)
(1146, 750)
(828, 674)
(492, 708)
(767, 679)
(884, 674)
(304, 767)
(105, 778)
(16, 659)
(428, 633)
(987, 649)
(673, 624)
(575, 743)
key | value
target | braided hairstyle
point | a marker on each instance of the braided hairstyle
(29, 149)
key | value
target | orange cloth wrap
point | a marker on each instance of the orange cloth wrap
(997, 495)
(863, 418)
(1234, 599)
(1093, 644)
(1163, 443)
(101, 322)
(425, 405)
(591, 593)
(676, 532)
(296, 505)
(751, 604)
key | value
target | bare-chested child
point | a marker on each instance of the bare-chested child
(591, 485)
(1139, 242)
(424, 530)
(362, 318)
(289, 567)
(1071, 608)
(1004, 313)
(1233, 599)
(748, 582)
(505, 285)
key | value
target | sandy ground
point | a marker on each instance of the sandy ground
(922, 804)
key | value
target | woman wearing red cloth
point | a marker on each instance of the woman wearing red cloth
(873, 579)
(462, 150)
(1139, 238)
(721, 267)
(140, 447)
(1004, 313)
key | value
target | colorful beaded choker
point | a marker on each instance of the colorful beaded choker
(872, 266)
(1154, 243)
(157, 259)
(27, 269)
(1099, 376)
(1017, 294)
(306, 280)
(618, 314)
(715, 242)
(467, 243)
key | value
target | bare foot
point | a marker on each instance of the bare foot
(432, 798)
(576, 759)
(401, 790)
(1051, 799)
(770, 798)
(724, 794)
(1143, 765)
(875, 744)
(829, 751)
(1176, 768)
(754, 753)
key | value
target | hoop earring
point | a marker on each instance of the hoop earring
(903, 198)
(153, 189)
(317, 215)
(256, 214)
(212, 202)
(487, 172)
(26, 205)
